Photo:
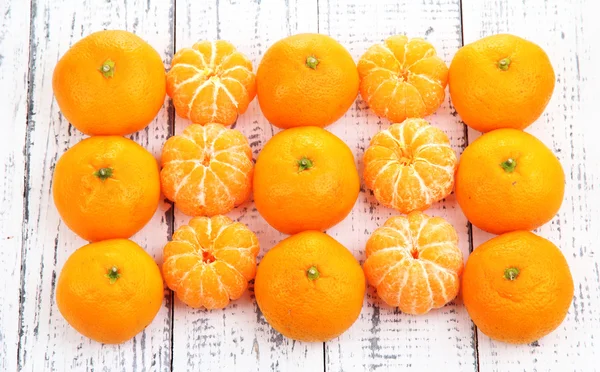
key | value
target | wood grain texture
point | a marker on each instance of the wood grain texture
(46, 341)
(383, 338)
(568, 31)
(14, 59)
(35, 244)
(238, 338)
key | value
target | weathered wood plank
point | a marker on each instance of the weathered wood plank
(238, 338)
(568, 31)
(14, 56)
(383, 338)
(46, 341)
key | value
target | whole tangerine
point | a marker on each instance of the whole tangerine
(309, 287)
(500, 81)
(110, 83)
(109, 291)
(517, 287)
(305, 179)
(306, 80)
(106, 187)
(508, 180)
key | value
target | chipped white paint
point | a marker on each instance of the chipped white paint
(14, 54)
(383, 338)
(47, 341)
(238, 338)
(568, 31)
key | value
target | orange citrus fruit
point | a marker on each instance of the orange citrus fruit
(508, 180)
(410, 166)
(402, 78)
(414, 262)
(211, 82)
(210, 261)
(517, 287)
(309, 287)
(106, 187)
(305, 179)
(110, 83)
(306, 80)
(109, 291)
(500, 81)
(207, 170)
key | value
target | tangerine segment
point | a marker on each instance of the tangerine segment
(414, 262)
(409, 166)
(210, 261)
(207, 170)
(211, 82)
(402, 78)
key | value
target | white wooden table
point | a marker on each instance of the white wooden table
(35, 243)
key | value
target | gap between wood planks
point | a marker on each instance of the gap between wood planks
(324, 343)
(26, 173)
(171, 212)
(469, 224)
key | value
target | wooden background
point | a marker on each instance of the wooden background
(35, 243)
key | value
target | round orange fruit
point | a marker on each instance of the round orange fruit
(500, 81)
(414, 262)
(110, 83)
(410, 166)
(211, 82)
(207, 170)
(309, 287)
(106, 187)
(508, 180)
(109, 291)
(402, 78)
(210, 261)
(517, 287)
(306, 80)
(305, 179)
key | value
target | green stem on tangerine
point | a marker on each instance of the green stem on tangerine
(312, 62)
(304, 164)
(113, 274)
(504, 63)
(509, 165)
(103, 173)
(108, 68)
(312, 273)
(511, 273)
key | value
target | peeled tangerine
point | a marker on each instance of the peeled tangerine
(402, 78)
(410, 166)
(207, 170)
(210, 261)
(414, 262)
(211, 82)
